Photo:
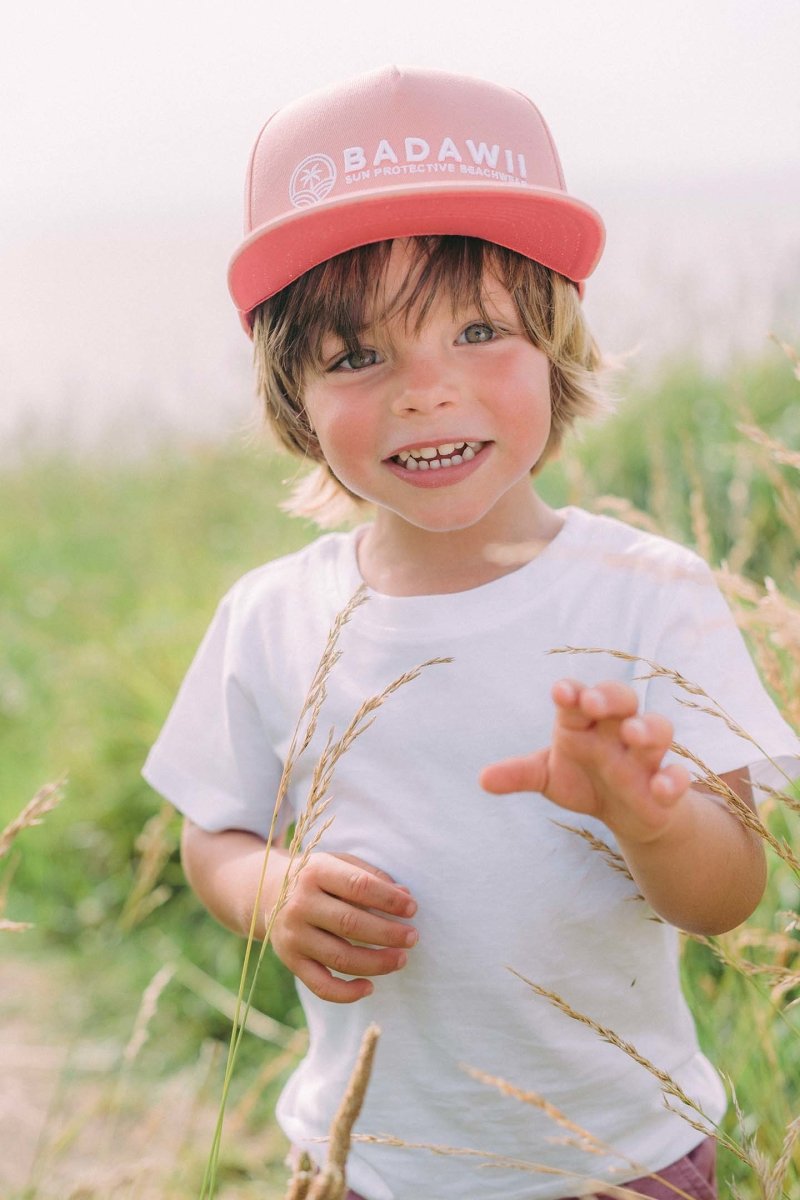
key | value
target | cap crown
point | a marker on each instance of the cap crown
(405, 152)
(395, 126)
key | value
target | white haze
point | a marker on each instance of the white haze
(125, 130)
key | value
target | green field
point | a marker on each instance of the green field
(111, 572)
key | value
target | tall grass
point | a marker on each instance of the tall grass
(111, 572)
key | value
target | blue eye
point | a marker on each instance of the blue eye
(356, 360)
(477, 333)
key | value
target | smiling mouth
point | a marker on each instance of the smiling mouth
(436, 458)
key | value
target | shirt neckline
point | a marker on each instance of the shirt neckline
(489, 604)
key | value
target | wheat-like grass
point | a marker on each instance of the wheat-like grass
(488, 1157)
(739, 807)
(698, 510)
(218, 997)
(582, 1139)
(302, 735)
(147, 1010)
(307, 826)
(655, 671)
(32, 814)
(614, 859)
(782, 979)
(670, 1088)
(773, 1183)
(330, 1183)
(489, 1160)
(777, 450)
(155, 846)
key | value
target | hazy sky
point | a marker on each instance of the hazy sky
(109, 104)
(135, 120)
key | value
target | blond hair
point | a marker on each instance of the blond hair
(340, 296)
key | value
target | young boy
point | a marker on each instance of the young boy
(412, 278)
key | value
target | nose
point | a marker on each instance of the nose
(423, 389)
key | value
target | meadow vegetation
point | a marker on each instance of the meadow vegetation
(111, 572)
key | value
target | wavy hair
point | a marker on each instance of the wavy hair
(342, 295)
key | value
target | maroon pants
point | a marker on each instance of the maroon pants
(695, 1175)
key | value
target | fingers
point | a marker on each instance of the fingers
(669, 784)
(580, 706)
(325, 954)
(337, 991)
(360, 883)
(528, 773)
(341, 915)
(357, 924)
(647, 733)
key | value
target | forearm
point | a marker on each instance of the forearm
(224, 869)
(706, 873)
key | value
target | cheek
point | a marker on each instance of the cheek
(524, 401)
(347, 441)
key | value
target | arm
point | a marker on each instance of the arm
(336, 900)
(693, 859)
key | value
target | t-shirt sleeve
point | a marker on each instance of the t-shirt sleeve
(212, 758)
(700, 640)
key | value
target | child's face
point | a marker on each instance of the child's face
(390, 418)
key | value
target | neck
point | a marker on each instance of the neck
(399, 559)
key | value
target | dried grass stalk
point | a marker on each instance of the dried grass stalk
(307, 826)
(42, 803)
(330, 1183)
(490, 1160)
(656, 671)
(777, 450)
(773, 1184)
(14, 926)
(782, 978)
(584, 1140)
(155, 845)
(669, 1086)
(712, 783)
(147, 1010)
(612, 857)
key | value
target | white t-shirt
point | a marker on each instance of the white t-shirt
(498, 880)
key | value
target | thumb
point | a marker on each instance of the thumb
(527, 773)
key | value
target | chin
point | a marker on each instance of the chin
(454, 521)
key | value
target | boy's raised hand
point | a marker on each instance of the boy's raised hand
(337, 917)
(604, 760)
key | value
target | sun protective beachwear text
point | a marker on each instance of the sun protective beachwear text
(416, 157)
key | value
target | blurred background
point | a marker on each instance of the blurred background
(135, 488)
(125, 131)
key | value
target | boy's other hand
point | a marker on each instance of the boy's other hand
(604, 760)
(338, 917)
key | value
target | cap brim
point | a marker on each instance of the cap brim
(542, 223)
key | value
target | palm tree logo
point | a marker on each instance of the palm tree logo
(312, 180)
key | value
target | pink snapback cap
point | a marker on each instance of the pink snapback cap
(401, 152)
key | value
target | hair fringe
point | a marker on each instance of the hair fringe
(337, 297)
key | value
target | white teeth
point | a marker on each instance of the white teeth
(433, 458)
